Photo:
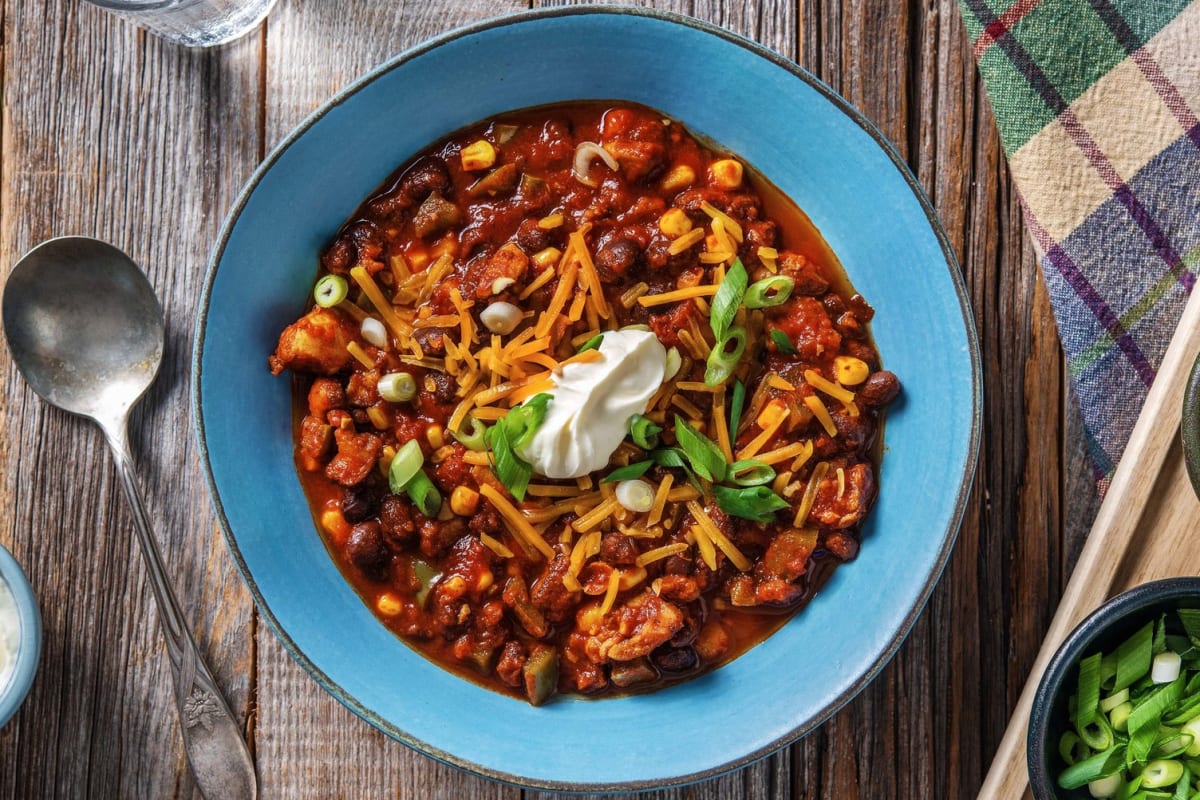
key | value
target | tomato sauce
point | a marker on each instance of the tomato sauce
(587, 217)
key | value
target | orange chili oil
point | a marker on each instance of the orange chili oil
(493, 213)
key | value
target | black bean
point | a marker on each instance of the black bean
(367, 550)
(531, 237)
(879, 389)
(617, 256)
(674, 659)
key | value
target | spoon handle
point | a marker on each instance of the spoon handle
(212, 738)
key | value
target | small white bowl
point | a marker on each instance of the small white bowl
(15, 687)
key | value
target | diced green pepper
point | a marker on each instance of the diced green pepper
(541, 675)
(428, 576)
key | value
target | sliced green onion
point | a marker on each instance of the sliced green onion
(635, 470)
(755, 503)
(1071, 748)
(405, 464)
(397, 387)
(644, 432)
(1171, 744)
(1193, 728)
(722, 361)
(1161, 773)
(1133, 657)
(674, 362)
(1087, 697)
(1114, 700)
(674, 457)
(750, 472)
(728, 299)
(1119, 717)
(1184, 786)
(1190, 617)
(769, 292)
(1100, 765)
(524, 420)
(513, 471)
(424, 495)
(1146, 719)
(635, 495)
(782, 342)
(373, 331)
(330, 290)
(1165, 667)
(592, 343)
(473, 437)
(1097, 734)
(1105, 787)
(736, 403)
(702, 453)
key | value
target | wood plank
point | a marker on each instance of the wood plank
(1142, 532)
(98, 119)
(305, 738)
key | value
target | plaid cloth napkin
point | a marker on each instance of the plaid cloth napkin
(1097, 102)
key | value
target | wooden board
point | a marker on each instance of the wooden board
(1146, 529)
(107, 131)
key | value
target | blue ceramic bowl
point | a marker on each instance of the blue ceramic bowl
(808, 142)
(1104, 629)
(29, 648)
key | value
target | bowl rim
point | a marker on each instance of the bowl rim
(29, 650)
(1066, 657)
(951, 263)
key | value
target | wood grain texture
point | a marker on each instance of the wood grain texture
(304, 737)
(107, 131)
(98, 120)
(1143, 531)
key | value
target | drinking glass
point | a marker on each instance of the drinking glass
(193, 23)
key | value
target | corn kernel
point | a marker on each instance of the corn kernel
(417, 260)
(485, 581)
(632, 577)
(725, 173)
(850, 371)
(678, 178)
(335, 525)
(464, 501)
(379, 418)
(478, 155)
(547, 257)
(550, 222)
(771, 414)
(435, 436)
(385, 459)
(674, 223)
(388, 604)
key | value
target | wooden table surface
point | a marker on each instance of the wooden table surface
(109, 132)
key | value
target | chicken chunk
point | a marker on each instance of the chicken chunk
(314, 343)
(834, 509)
(630, 630)
(356, 456)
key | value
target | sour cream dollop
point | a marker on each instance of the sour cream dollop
(592, 404)
(10, 635)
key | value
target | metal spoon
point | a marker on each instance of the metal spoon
(86, 331)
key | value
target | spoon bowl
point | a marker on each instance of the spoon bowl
(86, 332)
(84, 325)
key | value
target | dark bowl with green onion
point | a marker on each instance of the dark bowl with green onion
(1117, 712)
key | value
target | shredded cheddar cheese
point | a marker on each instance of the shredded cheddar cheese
(704, 290)
(821, 413)
(519, 526)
